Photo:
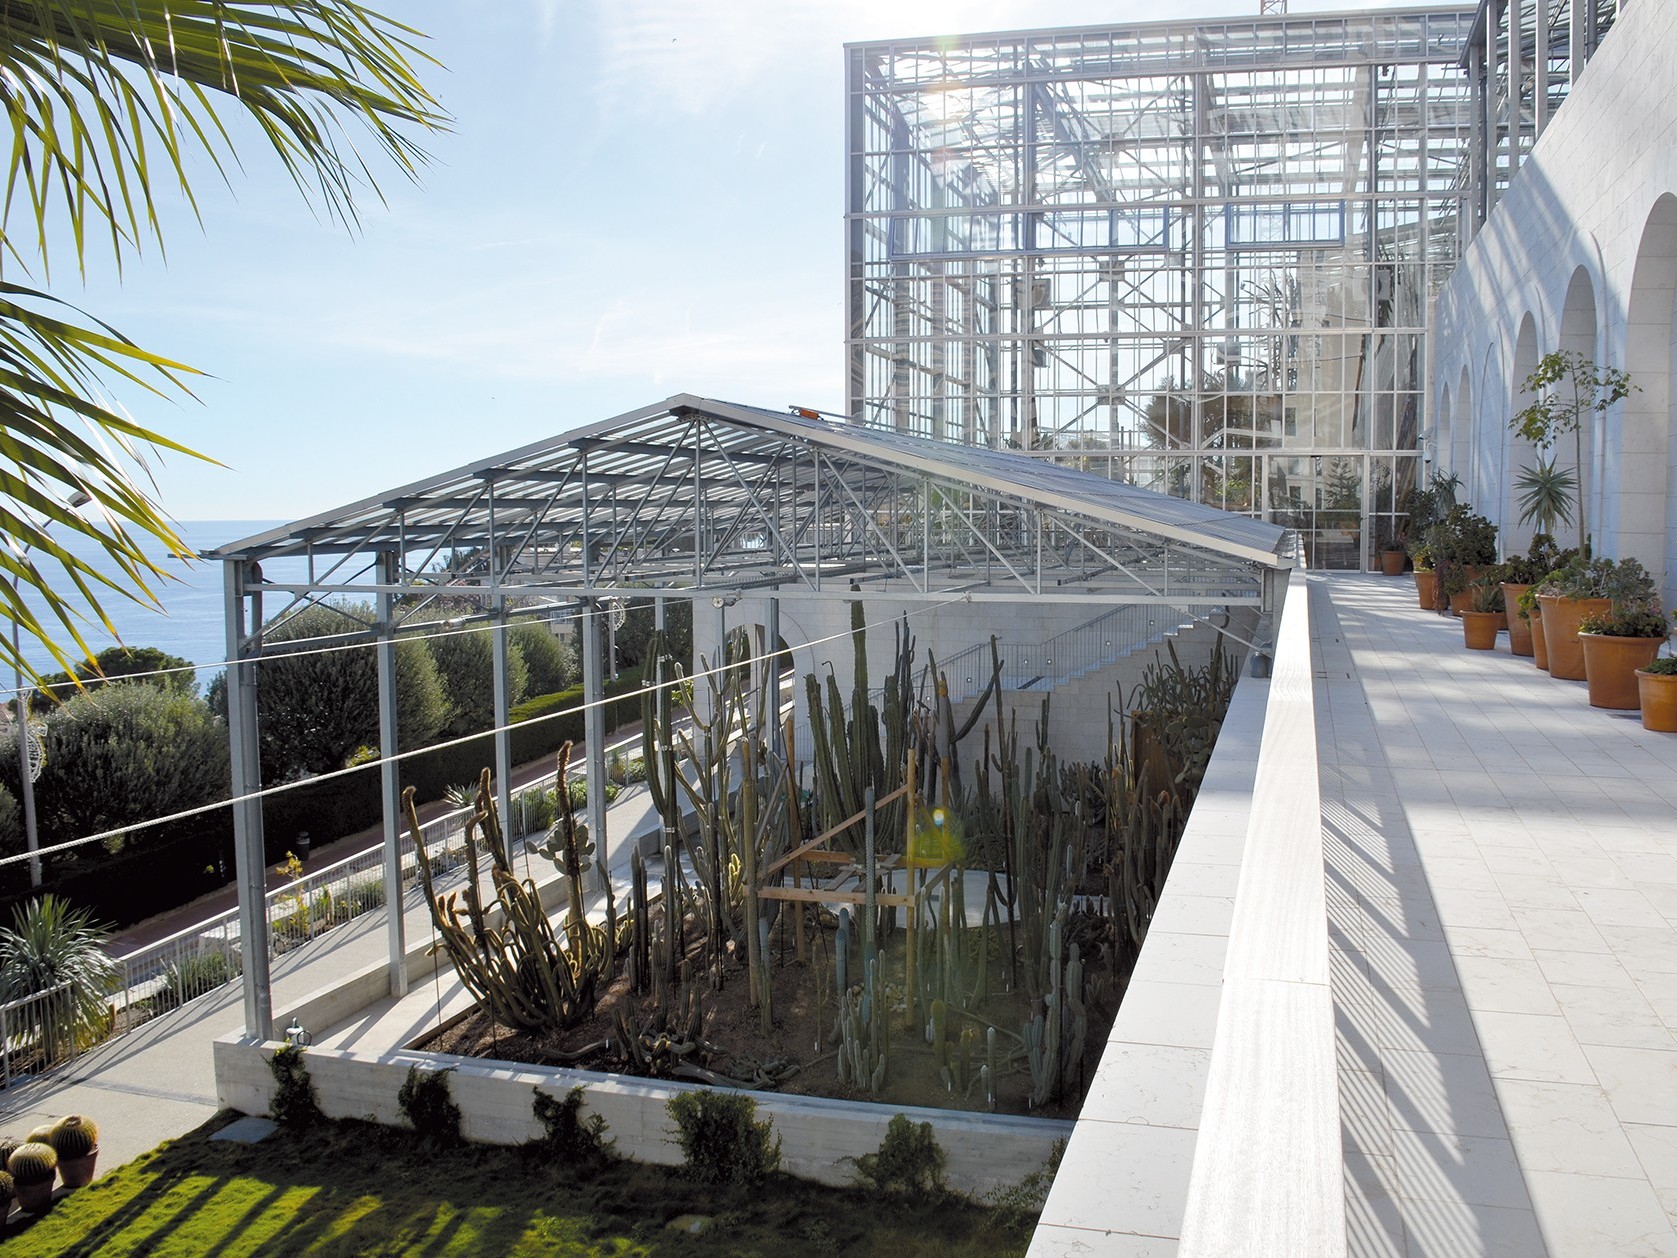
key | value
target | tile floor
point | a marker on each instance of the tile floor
(1501, 865)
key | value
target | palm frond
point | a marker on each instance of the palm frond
(1547, 494)
(106, 100)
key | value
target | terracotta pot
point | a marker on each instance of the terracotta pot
(1561, 618)
(35, 1198)
(1462, 602)
(1611, 665)
(1424, 578)
(78, 1172)
(1658, 692)
(1391, 562)
(1519, 628)
(1539, 642)
(1479, 630)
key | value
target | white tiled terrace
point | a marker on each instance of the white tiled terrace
(1499, 863)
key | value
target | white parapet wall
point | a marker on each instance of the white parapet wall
(1212, 1125)
(819, 1137)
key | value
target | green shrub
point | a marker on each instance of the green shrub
(566, 1135)
(114, 664)
(127, 753)
(909, 1160)
(1018, 1207)
(721, 1139)
(319, 708)
(426, 1103)
(11, 814)
(1665, 666)
(465, 659)
(295, 1102)
(549, 659)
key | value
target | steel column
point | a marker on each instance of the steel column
(249, 858)
(594, 729)
(503, 720)
(390, 783)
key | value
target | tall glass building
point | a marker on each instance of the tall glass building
(1197, 256)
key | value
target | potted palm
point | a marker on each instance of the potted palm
(1570, 391)
(1616, 644)
(1425, 507)
(1657, 690)
(1483, 618)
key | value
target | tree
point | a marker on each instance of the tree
(550, 659)
(1571, 389)
(125, 754)
(466, 664)
(160, 669)
(52, 945)
(320, 706)
(104, 99)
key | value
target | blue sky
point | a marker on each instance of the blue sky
(638, 198)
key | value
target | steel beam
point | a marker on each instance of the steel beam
(390, 790)
(249, 857)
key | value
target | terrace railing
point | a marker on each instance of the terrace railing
(37, 1033)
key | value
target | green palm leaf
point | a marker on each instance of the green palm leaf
(106, 99)
(1546, 495)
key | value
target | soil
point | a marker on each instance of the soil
(803, 1032)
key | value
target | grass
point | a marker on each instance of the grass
(361, 1189)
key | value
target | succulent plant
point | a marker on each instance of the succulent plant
(75, 1136)
(33, 1163)
(8, 1193)
(39, 1135)
(8, 1145)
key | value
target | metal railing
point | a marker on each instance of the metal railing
(206, 956)
(37, 1033)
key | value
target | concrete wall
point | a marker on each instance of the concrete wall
(1581, 254)
(819, 635)
(985, 1151)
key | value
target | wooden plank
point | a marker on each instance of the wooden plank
(839, 829)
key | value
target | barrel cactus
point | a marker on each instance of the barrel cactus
(74, 1137)
(40, 1135)
(8, 1146)
(33, 1163)
(8, 1194)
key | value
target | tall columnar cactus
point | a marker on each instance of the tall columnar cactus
(518, 970)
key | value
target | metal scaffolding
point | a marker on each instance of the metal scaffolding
(1198, 257)
(704, 500)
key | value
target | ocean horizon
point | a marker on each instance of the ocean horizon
(189, 622)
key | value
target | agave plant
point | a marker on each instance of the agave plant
(1547, 495)
(51, 945)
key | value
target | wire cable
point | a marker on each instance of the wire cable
(298, 784)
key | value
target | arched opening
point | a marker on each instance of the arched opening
(1461, 428)
(1518, 454)
(1639, 454)
(1579, 336)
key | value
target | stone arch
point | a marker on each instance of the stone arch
(1580, 334)
(1639, 520)
(1461, 429)
(1517, 452)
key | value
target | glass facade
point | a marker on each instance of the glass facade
(1194, 256)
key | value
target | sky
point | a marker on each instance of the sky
(635, 198)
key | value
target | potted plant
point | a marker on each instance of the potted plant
(1570, 391)
(76, 1141)
(1518, 574)
(1393, 556)
(1482, 619)
(1657, 689)
(1531, 611)
(1425, 507)
(33, 1167)
(1617, 644)
(1585, 587)
(8, 1194)
(1462, 545)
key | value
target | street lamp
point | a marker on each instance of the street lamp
(29, 766)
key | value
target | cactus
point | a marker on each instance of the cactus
(8, 1194)
(519, 972)
(75, 1137)
(41, 1134)
(8, 1146)
(33, 1162)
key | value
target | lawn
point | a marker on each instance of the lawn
(358, 1188)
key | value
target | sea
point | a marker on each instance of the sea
(189, 622)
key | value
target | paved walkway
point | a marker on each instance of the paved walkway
(1502, 880)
